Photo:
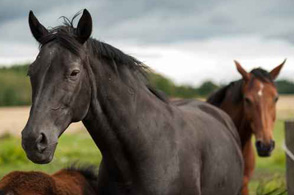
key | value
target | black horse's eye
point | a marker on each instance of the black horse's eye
(74, 73)
(247, 100)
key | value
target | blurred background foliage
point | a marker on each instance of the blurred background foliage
(15, 87)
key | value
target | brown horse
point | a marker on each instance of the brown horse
(72, 180)
(251, 103)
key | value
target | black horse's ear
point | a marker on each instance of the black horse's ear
(37, 29)
(276, 71)
(84, 28)
(242, 71)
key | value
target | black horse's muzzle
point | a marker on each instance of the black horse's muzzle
(37, 148)
(264, 150)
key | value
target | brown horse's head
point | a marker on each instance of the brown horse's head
(260, 97)
(66, 181)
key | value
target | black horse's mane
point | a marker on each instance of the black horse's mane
(235, 87)
(66, 36)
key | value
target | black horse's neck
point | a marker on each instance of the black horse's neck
(121, 117)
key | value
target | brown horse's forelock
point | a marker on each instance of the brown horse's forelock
(262, 74)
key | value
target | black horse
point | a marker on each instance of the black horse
(149, 145)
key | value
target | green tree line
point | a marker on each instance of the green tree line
(15, 89)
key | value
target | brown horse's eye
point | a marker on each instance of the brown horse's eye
(276, 99)
(247, 100)
(74, 73)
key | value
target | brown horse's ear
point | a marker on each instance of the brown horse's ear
(84, 28)
(276, 71)
(37, 29)
(244, 73)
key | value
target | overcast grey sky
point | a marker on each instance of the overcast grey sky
(189, 41)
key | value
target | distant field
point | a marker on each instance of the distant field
(285, 107)
(13, 119)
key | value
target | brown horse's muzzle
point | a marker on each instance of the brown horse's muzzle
(264, 150)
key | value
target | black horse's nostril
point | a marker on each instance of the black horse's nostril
(41, 143)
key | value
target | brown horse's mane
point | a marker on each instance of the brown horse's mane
(236, 87)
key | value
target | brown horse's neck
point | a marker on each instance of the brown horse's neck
(236, 112)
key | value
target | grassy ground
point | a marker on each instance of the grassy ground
(269, 173)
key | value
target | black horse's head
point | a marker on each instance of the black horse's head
(60, 85)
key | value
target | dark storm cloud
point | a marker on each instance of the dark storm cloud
(153, 21)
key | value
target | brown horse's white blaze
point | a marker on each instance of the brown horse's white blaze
(260, 98)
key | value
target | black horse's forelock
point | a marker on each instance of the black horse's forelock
(63, 35)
